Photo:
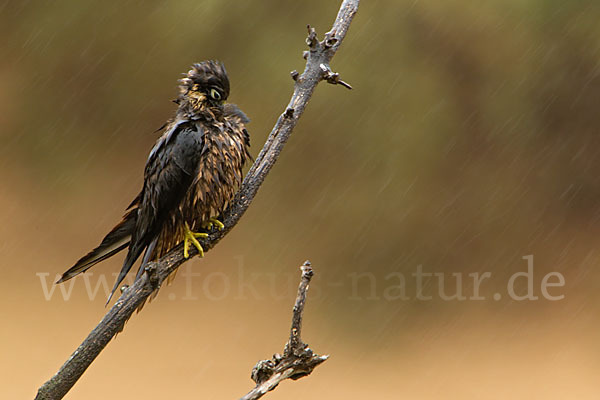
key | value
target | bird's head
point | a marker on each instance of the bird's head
(205, 87)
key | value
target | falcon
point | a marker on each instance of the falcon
(191, 176)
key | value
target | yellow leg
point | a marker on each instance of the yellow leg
(208, 225)
(190, 236)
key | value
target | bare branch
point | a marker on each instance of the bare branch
(298, 360)
(320, 53)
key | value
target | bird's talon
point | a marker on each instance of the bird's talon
(218, 224)
(213, 222)
(190, 236)
(186, 246)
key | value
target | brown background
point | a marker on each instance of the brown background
(470, 141)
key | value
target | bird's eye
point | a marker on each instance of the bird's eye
(214, 93)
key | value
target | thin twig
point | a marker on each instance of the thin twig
(295, 342)
(320, 53)
(298, 360)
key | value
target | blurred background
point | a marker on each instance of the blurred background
(470, 140)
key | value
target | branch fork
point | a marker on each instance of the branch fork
(298, 360)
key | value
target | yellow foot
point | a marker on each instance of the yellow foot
(213, 222)
(190, 236)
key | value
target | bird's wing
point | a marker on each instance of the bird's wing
(170, 170)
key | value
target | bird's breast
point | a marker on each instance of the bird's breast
(219, 171)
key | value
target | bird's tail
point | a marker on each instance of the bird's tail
(114, 242)
(135, 250)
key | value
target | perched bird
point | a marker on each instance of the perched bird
(191, 176)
